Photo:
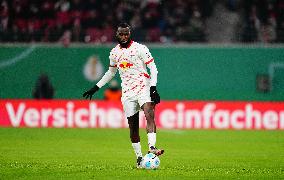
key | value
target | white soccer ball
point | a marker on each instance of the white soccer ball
(150, 161)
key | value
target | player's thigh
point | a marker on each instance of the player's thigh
(130, 107)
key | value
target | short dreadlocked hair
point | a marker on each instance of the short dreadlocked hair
(124, 25)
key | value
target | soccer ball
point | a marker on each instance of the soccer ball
(150, 161)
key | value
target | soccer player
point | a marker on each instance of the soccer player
(138, 87)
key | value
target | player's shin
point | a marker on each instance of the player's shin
(138, 153)
(137, 149)
(151, 143)
(151, 139)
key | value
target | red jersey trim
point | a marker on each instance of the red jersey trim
(148, 62)
(146, 75)
(128, 44)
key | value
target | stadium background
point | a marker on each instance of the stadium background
(223, 54)
(186, 72)
(207, 50)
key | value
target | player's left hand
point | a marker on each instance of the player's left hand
(155, 97)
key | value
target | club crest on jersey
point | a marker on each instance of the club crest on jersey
(125, 65)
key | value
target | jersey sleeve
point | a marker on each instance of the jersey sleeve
(149, 61)
(145, 55)
(112, 61)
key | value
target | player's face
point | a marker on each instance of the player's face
(123, 35)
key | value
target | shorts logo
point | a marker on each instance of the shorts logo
(125, 65)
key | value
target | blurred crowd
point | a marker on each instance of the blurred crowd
(94, 20)
(152, 20)
(263, 21)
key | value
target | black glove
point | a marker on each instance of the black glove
(155, 97)
(89, 94)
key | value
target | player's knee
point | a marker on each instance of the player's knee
(148, 110)
(135, 138)
(149, 114)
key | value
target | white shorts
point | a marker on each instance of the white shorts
(133, 104)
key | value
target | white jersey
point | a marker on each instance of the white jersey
(131, 63)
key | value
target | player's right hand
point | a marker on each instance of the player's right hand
(89, 93)
(155, 97)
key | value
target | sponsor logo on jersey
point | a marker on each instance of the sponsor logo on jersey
(125, 65)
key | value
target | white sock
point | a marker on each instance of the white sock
(151, 139)
(137, 149)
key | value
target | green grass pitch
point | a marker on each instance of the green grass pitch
(107, 154)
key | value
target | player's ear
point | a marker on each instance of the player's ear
(117, 37)
(130, 30)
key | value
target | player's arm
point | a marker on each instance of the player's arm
(107, 76)
(149, 61)
(155, 97)
(105, 79)
(153, 71)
